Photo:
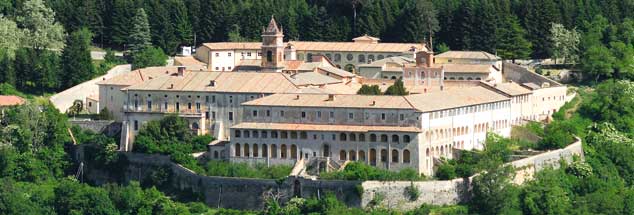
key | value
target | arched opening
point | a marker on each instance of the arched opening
(373, 157)
(393, 78)
(372, 137)
(406, 139)
(343, 137)
(469, 79)
(384, 138)
(460, 78)
(383, 155)
(361, 58)
(380, 57)
(195, 126)
(303, 135)
(361, 137)
(353, 137)
(352, 155)
(247, 152)
(273, 151)
(236, 150)
(394, 156)
(216, 154)
(342, 155)
(283, 152)
(269, 56)
(237, 133)
(406, 156)
(395, 138)
(293, 151)
(265, 151)
(361, 155)
(326, 150)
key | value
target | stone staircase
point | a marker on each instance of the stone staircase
(312, 167)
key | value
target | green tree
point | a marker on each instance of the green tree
(493, 192)
(139, 38)
(397, 89)
(234, 34)
(10, 36)
(565, 43)
(76, 61)
(149, 56)
(40, 28)
(597, 62)
(7, 71)
(512, 42)
(419, 21)
(369, 90)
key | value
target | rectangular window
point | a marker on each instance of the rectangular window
(217, 54)
(229, 54)
(255, 113)
(206, 99)
(178, 106)
(268, 112)
(248, 54)
(207, 115)
(136, 104)
(350, 115)
(165, 106)
(401, 117)
(303, 114)
(332, 114)
(382, 116)
(213, 115)
(230, 99)
(318, 114)
(213, 99)
(136, 125)
(149, 105)
(198, 106)
(230, 116)
(281, 113)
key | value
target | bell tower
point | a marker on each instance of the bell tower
(272, 48)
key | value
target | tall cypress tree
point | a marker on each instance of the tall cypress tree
(139, 37)
(77, 63)
(512, 43)
(7, 72)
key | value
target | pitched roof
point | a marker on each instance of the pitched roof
(10, 101)
(311, 78)
(188, 61)
(320, 127)
(366, 38)
(509, 88)
(139, 76)
(272, 28)
(321, 46)
(336, 71)
(458, 97)
(322, 100)
(399, 60)
(239, 82)
(479, 55)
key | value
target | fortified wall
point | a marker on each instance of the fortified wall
(395, 194)
(244, 193)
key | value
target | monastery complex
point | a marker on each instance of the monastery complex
(279, 102)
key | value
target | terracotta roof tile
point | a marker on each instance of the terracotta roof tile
(319, 127)
(11, 101)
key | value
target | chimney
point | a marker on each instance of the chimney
(181, 71)
(212, 83)
(171, 86)
(373, 103)
(331, 97)
(296, 97)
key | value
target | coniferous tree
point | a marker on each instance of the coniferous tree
(538, 16)
(77, 63)
(7, 72)
(369, 90)
(512, 43)
(122, 13)
(182, 27)
(139, 37)
(397, 89)
(419, 21)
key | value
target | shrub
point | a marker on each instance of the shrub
(377, 199)
(412, 192)
(446, 171)
(362, 172)
(243, 170)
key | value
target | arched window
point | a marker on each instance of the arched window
(329, 56)
(353, 137)
(361, 137)
(342, 155)
(195, 126)
(255, 151)
(352, 155)
(406, 155)
(238, 133)
(293, 151)
(300, 56)
(283, 151)
(236, 149)
(247, 134)
(256, 134)
(469, 78)
(380, 57)
(406, 139)
(343, 137)
(303, 135)
(395, 138)
(370, 58)
(265, 134)
(383, 155)
(361, 58)
(361, 155)
(349, 57)
(284, 135)
(394, 156)
(216, 154)
(372, 137)
(426, 152)
(384, 138)
(373, 157)
(247, 152)
(273, 151)
(293, 134)
(274, 134)
(269, 56)
(337, 57)
(265, 151)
